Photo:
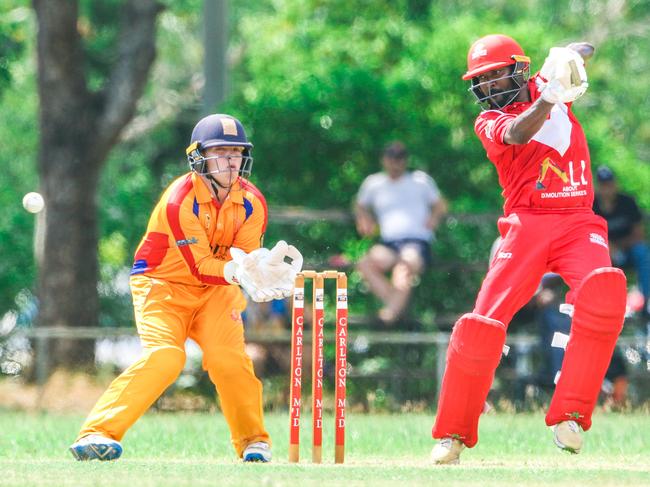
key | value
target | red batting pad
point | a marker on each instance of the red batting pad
(597, 322)
(473, 355)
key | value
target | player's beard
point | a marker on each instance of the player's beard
(499, 98)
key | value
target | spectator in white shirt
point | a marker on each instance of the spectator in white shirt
(406, 207)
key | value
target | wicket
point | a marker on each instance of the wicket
(297, 336)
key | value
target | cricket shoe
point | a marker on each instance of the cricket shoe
(257, 452)
(566, 436)
(447, 451)
(96, 447)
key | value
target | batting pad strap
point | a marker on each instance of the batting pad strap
(477, 343)
(566, 309)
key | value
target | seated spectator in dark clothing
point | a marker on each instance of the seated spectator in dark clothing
(550, 320)
(625, 229)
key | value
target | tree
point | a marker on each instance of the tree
(79, 124)
(16, 271)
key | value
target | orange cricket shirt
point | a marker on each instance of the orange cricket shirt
(189, 234)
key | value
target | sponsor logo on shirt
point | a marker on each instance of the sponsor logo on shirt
(598, 239)
(187, 241)
(543, 170)
(504, 255)
(573, 179)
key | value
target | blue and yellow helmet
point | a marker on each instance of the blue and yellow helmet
(214, 131)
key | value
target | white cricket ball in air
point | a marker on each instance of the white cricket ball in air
(33, 202)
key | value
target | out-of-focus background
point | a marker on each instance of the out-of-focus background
(97, 118)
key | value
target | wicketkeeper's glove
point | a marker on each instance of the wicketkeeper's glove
(565, 75)
(264, 274)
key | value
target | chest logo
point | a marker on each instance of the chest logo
(573, 179)
(543, 170)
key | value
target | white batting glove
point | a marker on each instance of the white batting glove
(565, 75)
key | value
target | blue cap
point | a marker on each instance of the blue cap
(604, 174)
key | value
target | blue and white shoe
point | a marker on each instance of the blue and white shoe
(96, 447)
(257, 452)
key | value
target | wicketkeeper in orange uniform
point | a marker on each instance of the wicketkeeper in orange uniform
(202, 243)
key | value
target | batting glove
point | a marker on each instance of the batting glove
(565, 75)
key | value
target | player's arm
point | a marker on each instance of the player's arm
(566, 81)
(528, 123)
(192, 242)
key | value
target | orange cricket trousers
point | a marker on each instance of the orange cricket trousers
(166, 315)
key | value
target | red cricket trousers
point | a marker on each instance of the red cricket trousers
(570, 244)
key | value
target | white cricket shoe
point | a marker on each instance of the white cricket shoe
(447, 451)
(96, 447)
(566, 436)
(257, 452)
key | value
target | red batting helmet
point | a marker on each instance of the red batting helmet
(492, 52)
(496, 51)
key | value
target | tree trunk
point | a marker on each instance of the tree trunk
(69, 273)
(77, 130)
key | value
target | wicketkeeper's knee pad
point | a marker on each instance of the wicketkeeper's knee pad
(597, 322)
(473, 355)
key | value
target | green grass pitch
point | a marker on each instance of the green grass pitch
(169, 449)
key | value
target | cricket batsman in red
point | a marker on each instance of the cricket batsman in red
(539, 149)
(202, 243)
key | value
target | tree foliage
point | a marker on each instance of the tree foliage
(322, 86)
(17, 128)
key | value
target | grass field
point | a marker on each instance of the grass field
(194, 450)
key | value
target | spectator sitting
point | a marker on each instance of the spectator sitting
(407, 208)
(627, 244)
